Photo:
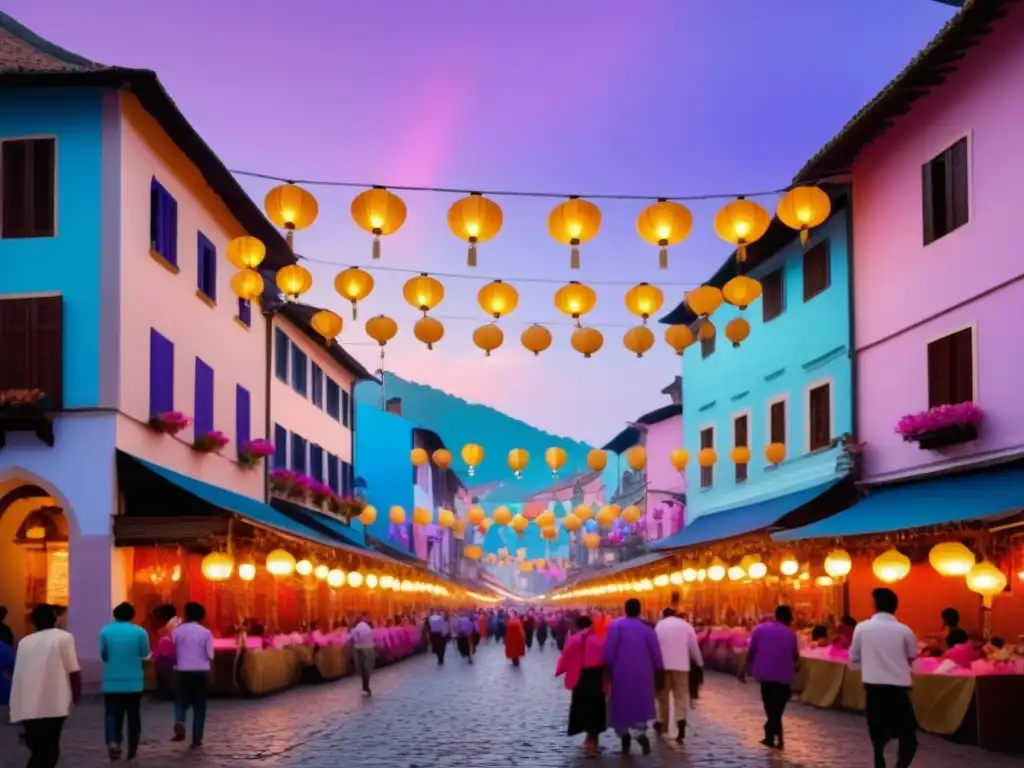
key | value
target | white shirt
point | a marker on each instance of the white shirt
(41, 686)
(884, 649)
(678, 642)
(362, 635)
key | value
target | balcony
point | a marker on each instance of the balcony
(632, 489)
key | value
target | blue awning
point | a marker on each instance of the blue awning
(741, 520)
(319, 522)
(950, 499)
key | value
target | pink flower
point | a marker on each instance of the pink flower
(170, 423)
(211, 442)
(258, 448)
(939, 417)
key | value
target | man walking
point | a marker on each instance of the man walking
(193, 651)
(884, 648)
(772, 657)
(634, 659)
(679, 650)
(437, 627)
(363, 651)
(123, 648)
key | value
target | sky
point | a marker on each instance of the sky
(638, 97)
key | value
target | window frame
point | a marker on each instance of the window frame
(158, 191)
(282, 356)
(973, 328)
(928, 235)
(781, 273)
(300, 387)
(747, 414)
(33, 234)
(206, 268)
(710, 470)
(316, 384)
(828, 381)
(826, 246)
(770, 403)
(294, 439)
(329, 381)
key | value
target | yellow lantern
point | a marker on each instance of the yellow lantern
(584, 512)
(986, 580)
(247, 285)
(549, 533)
(679, 457)
(740, 455)
(418, 457)
(573, 223)
(803, 208)
(304, 567)
(429, 330)
(707, 457)
(371, 581)
(606, 517)
(446, 518)
(555, 458)
(423, 292)
(737, 331)
(631, 514)
(498, 299)
(591, 540)
(638, 340)
(502, 516)
(838, 564)
(951, 558)
(757, 570)
(704, 300)
(293, 281)
(421, 516)
(291, 208)
(246, 252)
(442, 458)
(247, 571)
(824, 581)
(891, 566)
(381, 329)
(459, 529)
(644, 300)
(476, 515)
(679, 337)
(488, 337)
(736, 573)
(327, 324)
(517, 461)
(355, 579)
(706, 330)
(775, 453)
(218, 566)
(689, 575)
(380, 213)
(335, 578)
(741, 223)
(716, 571)
(321, 571)
(473, 456)
(473, 552)
(636, 457)
(396, 515)
(597, 460)
(368, 516)
(789, 566)
(519, 524)
(571, 523)
(355, 285)
(536, 338)
(526, 566)
(545, 519)
(741, 291)
(575, 300)
(280, 562)
(664, 223)
(475, 219)
(587, 341)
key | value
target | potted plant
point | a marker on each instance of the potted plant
(289, 484)
(211, 442)
(169, 422)
(343, 507)
(941, 426)
(251, 452)
(319, 493)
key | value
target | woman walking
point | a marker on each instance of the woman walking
(582, 663)
(515, 639)
(528, 627)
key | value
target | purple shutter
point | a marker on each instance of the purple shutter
(243, 417)
(161, 374)
(245, 312)
(203, 417)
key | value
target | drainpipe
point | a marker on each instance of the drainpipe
(268, 315)
(854, 369)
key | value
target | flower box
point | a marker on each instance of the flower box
(944, 437)
(303, 489)
(169, 423)
(941, 426)
(211, 442)
(25, 410)
(251, 452)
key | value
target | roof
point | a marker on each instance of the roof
(928, 69)
(630, 436)
(301, 315)
(27, 60)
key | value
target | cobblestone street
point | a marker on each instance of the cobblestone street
(483, 716)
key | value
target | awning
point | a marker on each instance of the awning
(394, 552)
(951, 499)
(323, 524)
(758, 516)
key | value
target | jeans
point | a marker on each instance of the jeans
(191, 692)
(890, 715)
(116, 707)
(364, 659)
(775, 697)
(42, 737)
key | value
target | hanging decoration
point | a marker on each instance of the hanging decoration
(502, 516)
(476, 515)
(280, 562)
(442, 457)
(475, 219)
(327, 324)
(587, 341)
(473, 456)
(951, 558)
(679, 457)
(838, 564)
(379, 212)
(353, 284)
(488, 337)
(368, 516)
(741, 291)
(536, 339)
(597, 460)
(246, 252)
(571, 523)
(381, 329)
(606, 517)
(986, 580)
(638, 340)
(740, 455)
(575, 300)
(591, 540)
(741, 223)
(429, 330)
(704, 300)
(498, 299)
(663, 224)
(707, 457)
(421, 516)
(584, 512)
(545, 519)
(418, 457)
(519, 524)
(679, 337)
(517, 461)
(644, 300)
(396, 515)
(293, 281)
(636, 458)
(423, 292)
(290, 208)
(247, 571)
(706, 330)
(573, 223)
(803, 209)
(631, 515)
(775, 453)
(304, 567)
(247, 284)
(737, 331)
(218, 566)
(549, 533)
(891, 566)
(555, 457)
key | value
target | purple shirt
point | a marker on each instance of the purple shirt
(193, 647)
(772, 655)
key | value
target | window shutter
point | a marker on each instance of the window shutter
(243, 416)
(821, 427)
(43, 182)
(298, 453)
(245, 312)
(346, 405)
(772, 300)
(332, 473)
(940, 367)
(46, 346)
(14, 165)
(707, 440)
(927, 204)
(962, 367)
(299, 371)
(161, 374)
(958, 182)
(280, 447)
(816, 270)
(316, 462)
(171, 228)
(333, 399)
(203, 416)
(281, 347)
(155, 213)
(740, 439)
(15, 334)
(778, 423)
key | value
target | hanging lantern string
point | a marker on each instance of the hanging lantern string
(522, 193)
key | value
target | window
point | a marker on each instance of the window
(777, 423)
(820, 417)
(161, 374)
(346, 408)
(245, 312)
(281, 346)
(163, 223)
(203, 416)
(28, 178)
(298, 453)
(817, 274)
(31, 346)
(316, 462)
(346, 479)
(333, 478)
(707, 346)
(707, 440)
(333, 399)
(280, 447)
(207, 267)
(951, 369)
(243, 416)
(300, 371)
(773, 296)
(944, 192)
(741, 439)
(317, 383)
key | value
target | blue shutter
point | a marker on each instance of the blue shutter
(317, 385)
(161, 374)
(298, 453)
(203, 417)
(171, 225)
(281, 345)
(316, 462)
(206, 254)
(280, 447)
(300, 370)
(346, 404)
(332, 473)
(243, 416)
(333, 399)
(245, 312)
(163, 222)
(346, 479)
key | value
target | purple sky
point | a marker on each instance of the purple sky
(659, 97)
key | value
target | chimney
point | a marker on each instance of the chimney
(394, 405)
(675, 390)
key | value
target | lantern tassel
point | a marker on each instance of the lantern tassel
(487, 353)
(289, 238)
(574, 258)
(663, 258)
(805, 235)
(430, 346)
(355, 311)
(376, 246)
(741, 252)
(471, 257)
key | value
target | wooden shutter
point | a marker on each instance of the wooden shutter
(707, 440)
(816, 270)
(28, 188)
(346, 407)
(961, 374)
(31, 344)
(957, 184)
(940, 368)
(778, 422)
(707, 347)
(740, 438)
(772, 299)
(280, 447)
(161, 374)
(43, 168)
(927, 203)
(820, 417)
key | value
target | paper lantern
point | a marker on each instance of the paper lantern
(789, 566)
(293, 281)
(575, 300)
(705, 330)
(246, 252)
(679, 457)
(986, 580)
(247, 571)
(737, 331)
(446, 518)
(291, 208)
(517, 461)
(488, 337)
(741, 291)
(476, 515)
(704, 300)
(951, 558)
(218, 566)
(371, 581)
(571, 523)
(423, 292)
(247, 284)
(442, 458)
(502, 516)
(327, 324)
(355, 285)
(573, 223)
(335, 578)
(428, 330)
(775, 453)
(354, 579)
(736, 573)
(475, 219)
(838, 564)
(707, 457)
(584, 512)
(396, 515)
(472, 455)
(280, 562)
(304, 567)
(379, 212)
(664, 223)
(519, 524)
(459, 529)
(591, 540)
(321, 572)
(741, 223)
(545, 519)
(587, 341)
(631, 514)
(498, 299)
(421, 516)
(644, 300)
(824, 581)
(597, 460)
(636, 457)
(638, 340)
(418, 457)
(740, 455)
(526, 566)
(381, 329)
(368, 516)
(606, 517)
(472, 552)
(536, 338)
(803, 208)
(679, 337)
(891, 566)
(689, 575)
(549, 533)
(716, 571)
(555, 457)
